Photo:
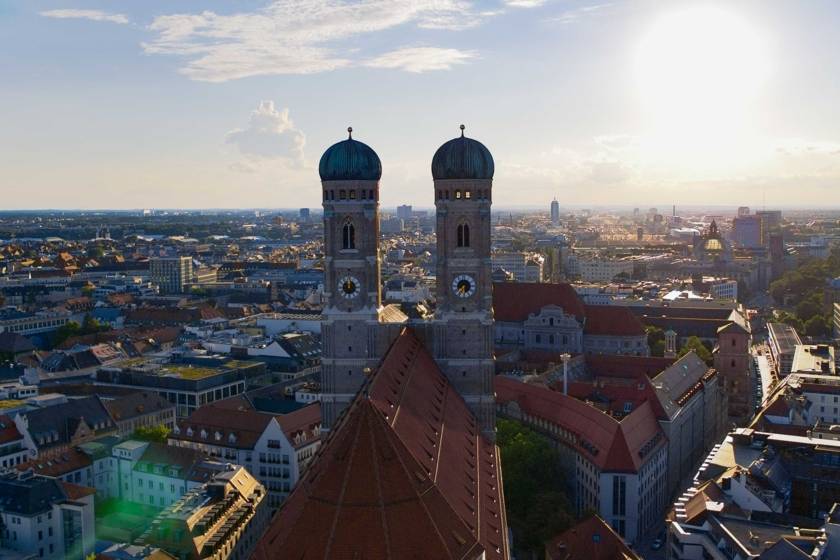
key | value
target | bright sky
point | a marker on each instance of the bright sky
(164, 104)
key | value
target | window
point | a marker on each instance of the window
(342, 194)
(457, 194)
(348, 236)
(463, 235)
(352, 195)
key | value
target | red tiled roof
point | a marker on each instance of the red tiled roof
(59, 464)
(591, 539)
(514, 301)
(306, 419)
(612, 320)
(76, 492)
(404, 474)
(8, 430)
(612, 445)
(246, 425)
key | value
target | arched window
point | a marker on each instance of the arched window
(348, 236)
(463, 235)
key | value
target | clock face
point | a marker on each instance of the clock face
(348, 287)
(463, 286)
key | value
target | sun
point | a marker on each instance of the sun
(698, 72)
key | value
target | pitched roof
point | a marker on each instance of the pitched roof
(612, 320)
(304, 421)
(404, 474)
(58, 423)
(14, 343)
(680, 381)
(8, 430)
(612, 445)
(188, 461)
(514, 301)
(59, 465)
(136, 404)
(25, 494)
(592, 539)
(246, 426)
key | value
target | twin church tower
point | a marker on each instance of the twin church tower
(357, 330)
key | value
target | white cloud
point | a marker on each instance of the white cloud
(293, 36)
(525, 3)
(270, 134)
(93, 15)
(421, 59)
(577, 14)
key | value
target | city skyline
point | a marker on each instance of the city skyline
(224, 105)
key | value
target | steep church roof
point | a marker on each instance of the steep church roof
(405, 473)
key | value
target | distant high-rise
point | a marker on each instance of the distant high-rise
(743, 211)
(404, 212)
(304, 214)
(555, 212)
(748, 231)
(171, 274)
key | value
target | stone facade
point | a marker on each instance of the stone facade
(357, 330)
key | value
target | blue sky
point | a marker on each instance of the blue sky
(138, 104)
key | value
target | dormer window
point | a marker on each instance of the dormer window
(217, 436)
(203, 434)
(232, 438)
(189, 432)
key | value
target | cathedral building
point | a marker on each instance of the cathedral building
(409, 468)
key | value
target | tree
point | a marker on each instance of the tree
(694, 343)
(815, 326)
(534, 484)
(807, 309)
(656, 341)
(157, 433)
(65, 331)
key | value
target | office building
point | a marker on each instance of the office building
(222, 519)
(748, 232)
(404, 212)
(555, 212)
(783, 340)
(42, 517)
(171, 274)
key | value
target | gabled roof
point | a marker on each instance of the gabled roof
(14, 343)
(59, 465)
(591, 539)
(136, 404)
(404, 474)
(8, 430)
(514, 301)
(58, 423)
(612, 320)
(246, 425)
(612, 445)
(678, 382)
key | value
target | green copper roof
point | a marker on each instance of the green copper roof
(463, 158)
(350, 160)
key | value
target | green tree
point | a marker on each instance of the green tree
(65, 331)
(157, 433)
(656, 341)
(534, 485)
(815, 326)
(694, 343)
(807, 309)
